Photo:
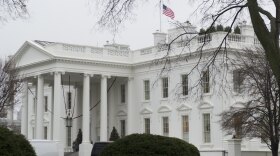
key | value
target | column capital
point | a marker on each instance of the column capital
(58, 72)
(105, 76)
(88, 74)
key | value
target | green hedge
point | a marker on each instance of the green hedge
(150, 145)
(12, 144)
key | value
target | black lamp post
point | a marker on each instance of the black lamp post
(69, 121)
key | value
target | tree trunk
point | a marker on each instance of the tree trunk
(274, 149)
(267, 40)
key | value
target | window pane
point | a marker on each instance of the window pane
(206, 128)
(123, 93)
(46, 104)
(237, 81)
(205, 81)
(185, 126)
(34, 105)
(185, 84)
(165, 87)
(147, 125)
(122, 128)
(45, 133)
(147, 89)
(165, 125)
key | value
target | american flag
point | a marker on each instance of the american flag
(168, 12)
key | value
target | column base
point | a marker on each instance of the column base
(85, 149)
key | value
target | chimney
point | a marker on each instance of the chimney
(159, 38)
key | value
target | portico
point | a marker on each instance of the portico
(56, 88)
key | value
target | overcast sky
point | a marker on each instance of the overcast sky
(73, 21)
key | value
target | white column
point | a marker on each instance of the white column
(40, 106)
(103, 109)
(86, 90)
(57, 121)
(234, 147)
(85, 147)
(130, 113)
(56, 106)
(24, 109)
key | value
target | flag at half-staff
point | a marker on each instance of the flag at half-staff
(168, 12)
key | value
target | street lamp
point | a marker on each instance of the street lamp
(69, 121)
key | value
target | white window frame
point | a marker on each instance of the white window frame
(45, 132)
(147, 90)
(165, 130)
(206, 139)
(237, 83)
(123, 131)
(147, 130)
(205, 81)
(183, 128)
(165, 88)
(186, 85)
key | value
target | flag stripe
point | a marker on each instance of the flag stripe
(168, 12)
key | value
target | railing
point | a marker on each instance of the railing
(236, 38)
(73, 48)
(146, 51)
(204, 38)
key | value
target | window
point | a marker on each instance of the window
(45, 133)
(68, 136)
(147, 125)
(122, 93)
(185, 126)
(147, 90)
(34, 105)
(165, 87)
(122, 128)
(33, 132)
(46, 103)
(237, 81)
(165, 125)
(185, 84)
(205, 81)
(69, 100)
(206, 128)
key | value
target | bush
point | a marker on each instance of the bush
(237, 30)
(151, 145)
(114, 135)
(220, 28)
(227, 29)
(202, 31)
(12, 144)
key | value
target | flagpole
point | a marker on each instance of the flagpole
(160, 6)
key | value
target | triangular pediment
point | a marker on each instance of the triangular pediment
(146, 111)
(164, 109)
(31, 54)
(121, 113)
(184, 107)
(205, 105)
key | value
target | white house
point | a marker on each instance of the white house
(103, 87)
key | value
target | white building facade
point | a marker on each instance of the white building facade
(113, 86)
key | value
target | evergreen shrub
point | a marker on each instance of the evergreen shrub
(12, 144)
(149, 145)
